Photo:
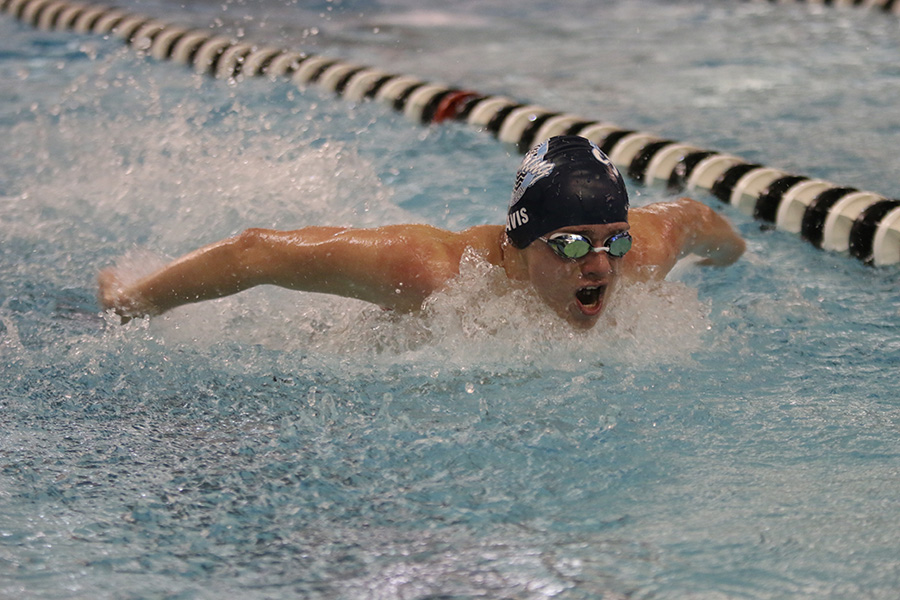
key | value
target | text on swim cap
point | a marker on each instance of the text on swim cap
(516, 218)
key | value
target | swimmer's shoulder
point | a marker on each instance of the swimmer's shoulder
(485, 240)
(437, 246)
(450, 246)
(656, 249)
(485, 234)
(479, 237)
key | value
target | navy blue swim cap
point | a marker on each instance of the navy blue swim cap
(564, 181)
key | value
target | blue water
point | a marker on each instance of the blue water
(728, 434)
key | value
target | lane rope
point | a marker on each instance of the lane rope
(866, 225)
(887, 6)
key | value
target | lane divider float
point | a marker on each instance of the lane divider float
(863, 224)
(888, 6)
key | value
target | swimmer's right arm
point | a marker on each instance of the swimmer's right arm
(396, 267)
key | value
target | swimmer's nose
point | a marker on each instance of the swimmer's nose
(596, 265)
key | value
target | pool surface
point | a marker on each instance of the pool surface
(725, 434)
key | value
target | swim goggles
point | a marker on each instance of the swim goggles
(575, 246)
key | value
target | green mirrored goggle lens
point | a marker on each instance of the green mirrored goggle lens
(619, 244)
(575, 248)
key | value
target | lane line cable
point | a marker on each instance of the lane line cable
(865, 225)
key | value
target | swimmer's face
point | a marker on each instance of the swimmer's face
(578, 290)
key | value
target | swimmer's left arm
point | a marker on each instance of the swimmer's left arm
(709, 235)
(669, 231)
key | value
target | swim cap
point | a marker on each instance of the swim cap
(564, 181)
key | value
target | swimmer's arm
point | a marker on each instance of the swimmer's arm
(396, 267)
(709, 235)
(669, 231)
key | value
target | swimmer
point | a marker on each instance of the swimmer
(569, 234)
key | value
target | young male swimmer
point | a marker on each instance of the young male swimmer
(569, 234)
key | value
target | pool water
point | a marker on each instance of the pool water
(726, 434)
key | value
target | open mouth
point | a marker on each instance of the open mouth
(590, 297)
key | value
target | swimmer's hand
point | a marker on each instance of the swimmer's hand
(113, 295)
